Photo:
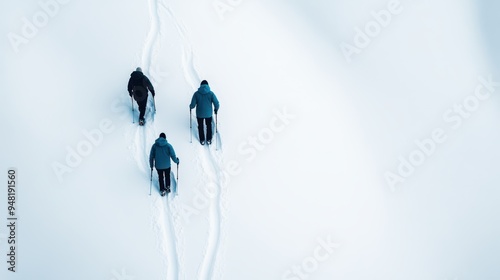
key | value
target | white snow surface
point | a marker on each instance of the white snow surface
(306, 140)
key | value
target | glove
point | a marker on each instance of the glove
(216, 111)
(130, 93)
(177, 161)
(153, 94)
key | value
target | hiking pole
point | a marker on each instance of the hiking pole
(190, 127)
(151, 181)
(216, 142)
(154, 108)
(132, 101)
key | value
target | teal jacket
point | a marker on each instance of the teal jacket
(203, 99)
(161, 153)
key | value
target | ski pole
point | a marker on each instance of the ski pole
(190, 127)
(132, 101)
(151, 181)
(154, 108)
(154, 104)
(216, 142)
(177, 186)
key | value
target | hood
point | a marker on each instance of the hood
(204, 89)
(161, 142)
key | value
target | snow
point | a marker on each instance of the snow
(297, 187)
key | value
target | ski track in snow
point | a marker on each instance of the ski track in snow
(211, 164)
(165, 210)
(163, 217)
(191, 74)
(211, 168)
(152, 39)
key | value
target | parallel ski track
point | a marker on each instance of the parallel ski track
(190, 72)
(211, 167)
(213, 177)
(162, 214)
(152, 39)
(210, 160)
(163, 220)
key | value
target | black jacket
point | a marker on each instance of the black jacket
(137, 79)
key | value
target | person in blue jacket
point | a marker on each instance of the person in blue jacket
(159, 157)
(203, 99)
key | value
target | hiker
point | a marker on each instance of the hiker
(159, 157)
(138, 86)
(203, 99)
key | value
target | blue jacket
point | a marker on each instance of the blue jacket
(161, 153)
(203, 99)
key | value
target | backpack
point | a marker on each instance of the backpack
(139, 88)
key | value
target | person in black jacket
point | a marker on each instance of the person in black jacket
(138, 85)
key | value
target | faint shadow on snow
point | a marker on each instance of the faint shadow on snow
(487, 16)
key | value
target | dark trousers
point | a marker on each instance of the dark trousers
(201, 129)
(164, 178)
(142, 108)
(141, 96)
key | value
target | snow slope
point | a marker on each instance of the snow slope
(296, 188)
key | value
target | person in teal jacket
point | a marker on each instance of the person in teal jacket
(159, 157)
(203, 99)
